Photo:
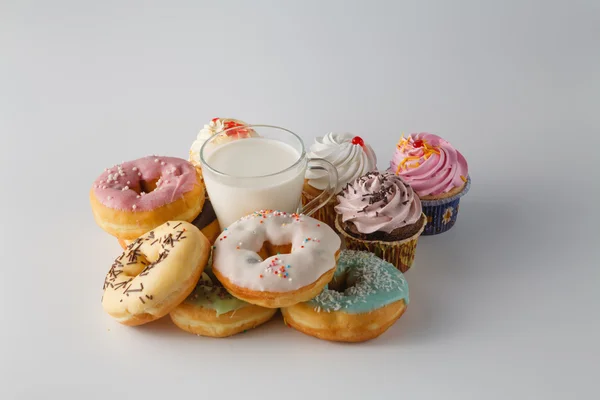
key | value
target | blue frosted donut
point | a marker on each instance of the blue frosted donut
(366, 296)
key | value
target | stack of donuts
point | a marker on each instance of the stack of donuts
(337, 275)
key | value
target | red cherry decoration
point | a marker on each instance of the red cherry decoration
(232, 132)
(358, 140)
(215, 119)
(418, 143)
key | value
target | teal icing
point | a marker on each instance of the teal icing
(370, 283)
(209, 293)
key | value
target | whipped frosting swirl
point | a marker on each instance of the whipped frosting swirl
(215, 126)
(349, 155)
(379, 202)
(429, 164)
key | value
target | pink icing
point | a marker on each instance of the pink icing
(121, 187)
(379, 202)
(429, 164)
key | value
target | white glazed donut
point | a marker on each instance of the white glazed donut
(155, 273)
(275, 259)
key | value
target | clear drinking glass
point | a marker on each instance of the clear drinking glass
(259, 167)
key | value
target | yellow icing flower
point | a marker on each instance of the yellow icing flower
(447, 215)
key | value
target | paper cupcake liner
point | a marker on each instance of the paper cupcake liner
(324, 214)
(401, 253)
(441, 214)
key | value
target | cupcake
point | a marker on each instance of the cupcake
(215, 126)
(437, 172)
(380, 213)
(352, 158)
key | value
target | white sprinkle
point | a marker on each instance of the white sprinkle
(162, 163)
(134, 206)
(109, 197)
(128, 182)
(156, 160)
(138, 196)
(103, 187)
(143, 193)
(139, 174)
(290, 279)
(125, 188)
(134, 168)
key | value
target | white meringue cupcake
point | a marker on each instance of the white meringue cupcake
(352, 158)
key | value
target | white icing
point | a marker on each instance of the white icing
(351, 160)
(213, 127)
(314, 245)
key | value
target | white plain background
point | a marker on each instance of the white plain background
(503, 306)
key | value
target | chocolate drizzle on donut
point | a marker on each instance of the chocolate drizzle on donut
(161, 257)
(128, 289)
(115, 270)
(133, 255)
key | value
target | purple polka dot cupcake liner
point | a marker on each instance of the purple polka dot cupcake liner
(441, 214)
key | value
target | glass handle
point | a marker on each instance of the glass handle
(331, 189)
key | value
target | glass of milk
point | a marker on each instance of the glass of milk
(263, 170)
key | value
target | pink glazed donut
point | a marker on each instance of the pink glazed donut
(135, 197)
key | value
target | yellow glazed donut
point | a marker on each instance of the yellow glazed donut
(211, 311)
(366, 296)
(275, 259)
(132, 198)
(156, 273)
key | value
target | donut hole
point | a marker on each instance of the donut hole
(146, 186)
(268, 249)
(135, 263)
(342, 282)
(133, 269)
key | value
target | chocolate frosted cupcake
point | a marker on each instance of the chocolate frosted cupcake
(380, 213)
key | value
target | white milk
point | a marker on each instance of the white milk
(246, 188)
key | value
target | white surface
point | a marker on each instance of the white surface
(503, 306)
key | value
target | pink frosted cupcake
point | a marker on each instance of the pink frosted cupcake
(380, 213)
(437, 172)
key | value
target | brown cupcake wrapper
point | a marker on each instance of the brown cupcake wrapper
(324, 214)
(401, 253)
